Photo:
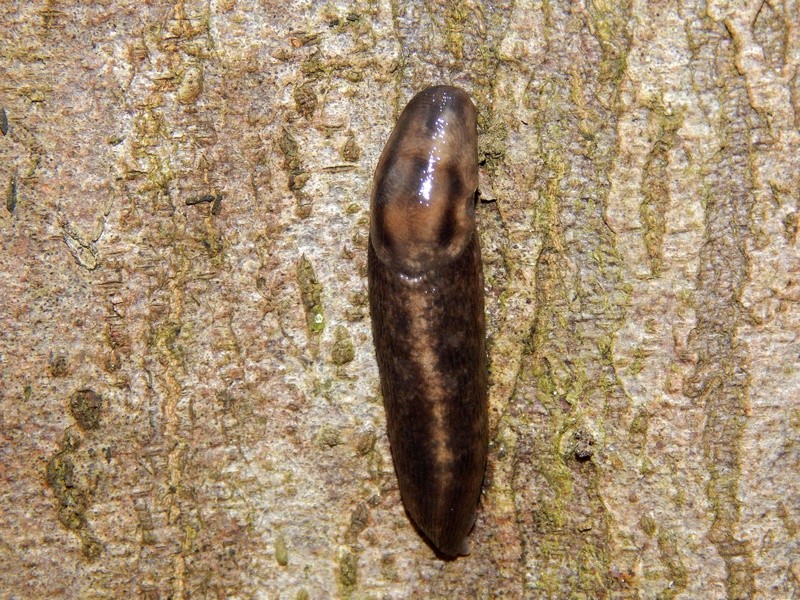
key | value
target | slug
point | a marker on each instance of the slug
(426, 303)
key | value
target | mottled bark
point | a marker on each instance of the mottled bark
(189, 403)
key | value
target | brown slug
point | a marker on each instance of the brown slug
(426, 304)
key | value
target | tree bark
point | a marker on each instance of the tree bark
(189, 405)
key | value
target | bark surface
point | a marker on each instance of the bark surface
(189, 401)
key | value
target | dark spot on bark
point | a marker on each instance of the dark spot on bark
(86, 407)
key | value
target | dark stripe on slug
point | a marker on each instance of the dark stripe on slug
(446, 231)
(455, 185)
(455, 196)
(426, 303)
(441, 106)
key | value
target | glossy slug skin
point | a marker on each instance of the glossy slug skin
(426, 303)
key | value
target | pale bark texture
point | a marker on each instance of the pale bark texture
(189, 404)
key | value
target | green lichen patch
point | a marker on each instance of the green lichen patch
(166, 336)
(457, 19)
(608, 22)
(343, 351)
(655, 189)
(11, 194)
(191, 84)
(791, 224)
(329, 437)
(311, 297)
(352, 209)
(72, 495)
(351, 151)
(348, 570)
(296, 176)
(639, 358)
(305, 99)
(281, 552)
(492, 143)
(73, 500)
(86, 407)
(638, 430)
(365, 442)
(290, 149)
(670, 556)
(648, 525)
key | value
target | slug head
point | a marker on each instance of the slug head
(423, 198)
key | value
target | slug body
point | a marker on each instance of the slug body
(426, 303)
